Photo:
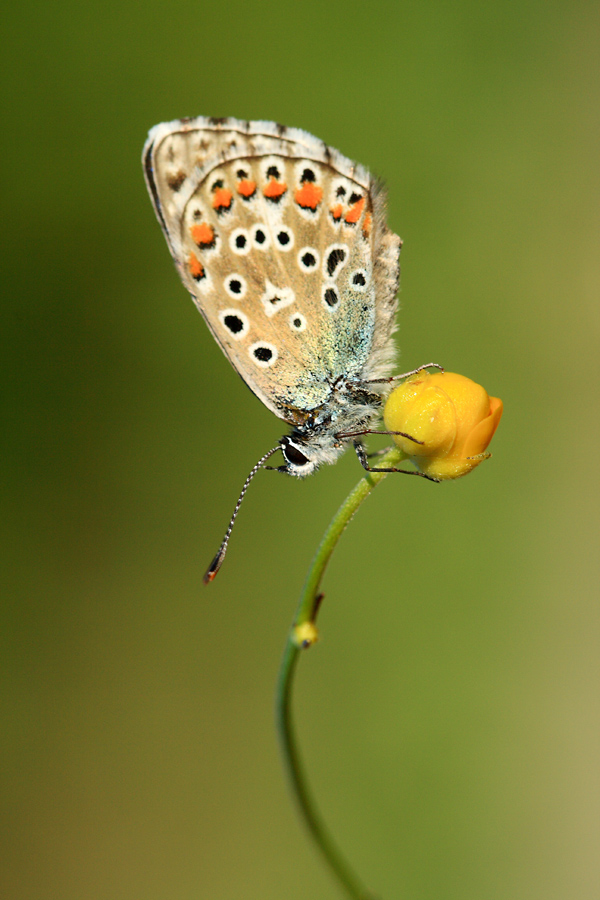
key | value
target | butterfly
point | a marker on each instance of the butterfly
(283, 245)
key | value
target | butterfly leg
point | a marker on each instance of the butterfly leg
(348, 434)
(364, 461)
(404, 374)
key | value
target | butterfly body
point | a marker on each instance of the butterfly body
(283, 246)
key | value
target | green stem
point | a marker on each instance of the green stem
(303, 634)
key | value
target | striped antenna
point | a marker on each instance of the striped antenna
(218, 560)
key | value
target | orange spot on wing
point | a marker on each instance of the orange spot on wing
(195, 265)
(355, 212)
(246, 188)
(274, 189)
(222, 199)
(366, 228)
(309, 195)
(336, 211)
(202, 234)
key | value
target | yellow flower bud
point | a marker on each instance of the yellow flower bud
(453, 416)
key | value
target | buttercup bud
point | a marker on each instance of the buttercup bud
(453, 416)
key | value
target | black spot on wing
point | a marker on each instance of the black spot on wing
(264, 354)
(331, 297)
(234, 323)
(335, 258)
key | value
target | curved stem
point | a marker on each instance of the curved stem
(302, 635)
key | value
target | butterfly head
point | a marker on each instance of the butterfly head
(303, 454)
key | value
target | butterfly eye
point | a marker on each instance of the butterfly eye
(292, 454)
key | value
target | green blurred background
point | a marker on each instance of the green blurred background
(449, 718)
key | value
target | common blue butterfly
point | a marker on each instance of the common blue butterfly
(283, 244)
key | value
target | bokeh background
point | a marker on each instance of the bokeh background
(449, 718)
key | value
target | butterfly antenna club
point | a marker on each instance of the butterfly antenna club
(220, 556)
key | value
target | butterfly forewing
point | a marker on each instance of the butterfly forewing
(282, 243)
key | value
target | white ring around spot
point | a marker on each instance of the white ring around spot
(314, 253)
(236, 335)
(339, 265)
(235, 295)
(326, 287)
(359, 287)
(267, 241)
(240, 251)
(285, 230)
(263, 363)
(297, 317)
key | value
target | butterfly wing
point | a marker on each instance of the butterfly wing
(283, 245)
